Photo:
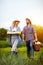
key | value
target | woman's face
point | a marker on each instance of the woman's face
(16, 23)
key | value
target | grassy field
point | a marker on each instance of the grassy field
(22, 58)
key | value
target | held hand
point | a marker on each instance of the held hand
(23, 40)
(36, 40)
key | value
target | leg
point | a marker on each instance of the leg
(28, 48)
(32, 50)
(14, 47)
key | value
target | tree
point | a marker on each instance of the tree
(39, 30)
(3, 34)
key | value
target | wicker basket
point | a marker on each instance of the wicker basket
(37, 46)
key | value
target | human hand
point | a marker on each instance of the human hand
(23, 40)
(36, 39)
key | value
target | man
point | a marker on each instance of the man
(29, 33)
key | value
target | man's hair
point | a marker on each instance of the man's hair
(29, 20)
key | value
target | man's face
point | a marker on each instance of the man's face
(27, 22)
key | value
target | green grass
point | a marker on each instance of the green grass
(4, 44)
(22, 58)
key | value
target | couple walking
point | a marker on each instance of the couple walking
(29, 33)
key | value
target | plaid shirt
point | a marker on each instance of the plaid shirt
(29, 32)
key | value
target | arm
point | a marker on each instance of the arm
(23, 37)
(35, 36)
(23, 34)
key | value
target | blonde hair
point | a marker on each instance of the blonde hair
(14, 22)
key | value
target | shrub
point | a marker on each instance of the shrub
(3, 34)
(4, 44)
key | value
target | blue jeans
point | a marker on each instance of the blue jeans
(30, 50)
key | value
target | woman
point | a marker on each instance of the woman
(30, 34)
(14, 39)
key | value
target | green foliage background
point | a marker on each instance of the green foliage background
(39, 30)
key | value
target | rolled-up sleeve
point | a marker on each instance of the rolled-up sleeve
(10, 29)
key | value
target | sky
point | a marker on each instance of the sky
(20, 9)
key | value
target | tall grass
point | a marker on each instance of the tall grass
(21, 59)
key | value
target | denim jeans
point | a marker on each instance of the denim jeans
(30, 50)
